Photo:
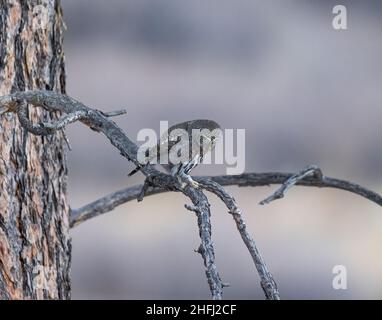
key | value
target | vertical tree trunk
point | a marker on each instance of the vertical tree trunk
(35, 245)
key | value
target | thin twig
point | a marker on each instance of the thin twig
(66, 140)
(114, 113)
(280, 193)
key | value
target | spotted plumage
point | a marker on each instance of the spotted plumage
(196, 136)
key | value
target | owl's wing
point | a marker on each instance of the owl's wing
(160, 148)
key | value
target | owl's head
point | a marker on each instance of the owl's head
(210, 133)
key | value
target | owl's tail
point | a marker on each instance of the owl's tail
(134, 171)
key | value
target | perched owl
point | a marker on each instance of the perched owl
(183, 146)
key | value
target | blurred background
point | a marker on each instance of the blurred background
(304, 92)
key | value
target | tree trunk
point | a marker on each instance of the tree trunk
(35, 246)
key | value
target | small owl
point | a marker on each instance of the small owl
(183, 146)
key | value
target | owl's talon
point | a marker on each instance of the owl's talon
(185, 180)
(194, 184)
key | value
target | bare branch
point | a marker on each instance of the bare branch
(267, 282)
(191, 208)
(107, 204)
(268, 178)
(45, 128)
(145, 188)
(54, 101)
(201, 207)
(279, 193)
(114, 113)
(115, 199)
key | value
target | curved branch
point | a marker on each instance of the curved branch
(280, 192)
(115, 199)
(45, 128)
(96, 120)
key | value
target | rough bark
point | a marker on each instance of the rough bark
(35, 247)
